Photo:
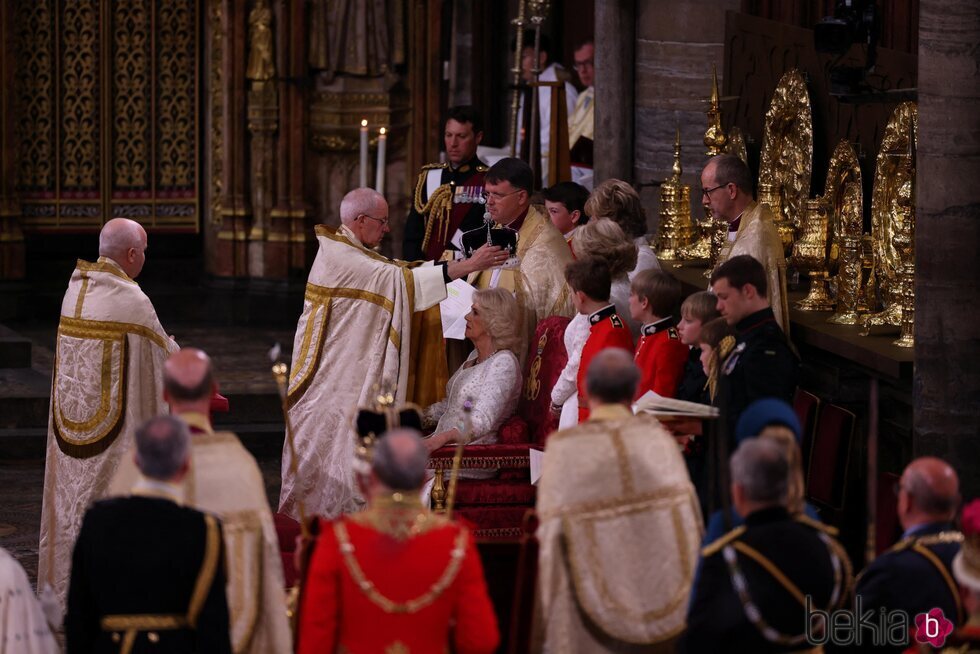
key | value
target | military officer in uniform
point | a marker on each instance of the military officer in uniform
(762, 363)
(448, 196)
(395, 577)
(916, 575)
(148, 574)
(757, 579)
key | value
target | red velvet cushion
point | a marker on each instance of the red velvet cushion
(494, 492)
(496, 456)
(513, 431)
(546, 360)
(287, 530)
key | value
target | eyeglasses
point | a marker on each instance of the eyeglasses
(588, 63)
(383, 221)
(497, 197)
(707, 191)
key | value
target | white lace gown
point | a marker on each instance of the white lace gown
(565, 391)
(493, 387)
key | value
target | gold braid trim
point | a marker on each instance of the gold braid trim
(718, 356)
(212, 551)
(385, 604)
(931, 557)
(437, 208)
(142, 622)
(770, 567)
(715, 546)
(815, 524)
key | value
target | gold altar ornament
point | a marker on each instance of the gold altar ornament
(675, 229)
(905, 244)
(714, 136)
(891, 174)
(810, 255)
(849, 262)
(787, 155)
(736, 144)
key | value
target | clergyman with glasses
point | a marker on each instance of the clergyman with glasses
(538, 278)
(354, 338)
(726, 189)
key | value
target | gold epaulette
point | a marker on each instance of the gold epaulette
(482, 169)
(932, 539)
(714, 547)
(816, 524)
(433, 166)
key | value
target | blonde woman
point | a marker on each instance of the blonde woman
(618, 201)
(490, 378)
(606, 240)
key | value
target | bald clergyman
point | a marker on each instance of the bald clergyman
(352, 341)
(108, 379)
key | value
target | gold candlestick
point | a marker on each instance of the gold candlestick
(714, 136)
(675, 211)
(810, 255)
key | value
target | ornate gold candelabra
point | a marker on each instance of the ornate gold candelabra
(719, 234)
(849, 262)
(675, 211)
(810, 255)
(515, 102)
(770, 195)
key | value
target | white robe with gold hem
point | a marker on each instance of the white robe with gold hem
(108, 379)
(619, 535)
(352, 341)
(225, 480)
(757, 236)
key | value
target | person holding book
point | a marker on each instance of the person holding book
(589, 280)
(660, 354)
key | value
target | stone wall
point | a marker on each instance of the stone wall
(947, 340)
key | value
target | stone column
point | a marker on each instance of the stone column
(11, 236)
(946, 383)
(615, 22)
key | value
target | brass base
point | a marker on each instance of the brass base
(906, 340)
(844, 318)
(700, 249)
(892, 317)
(817, 299)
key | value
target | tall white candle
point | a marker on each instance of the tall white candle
(364, 154)
(379, 175)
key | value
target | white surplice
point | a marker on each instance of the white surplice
(108, 380)
(23, 627)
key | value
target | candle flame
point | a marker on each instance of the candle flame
(382, 131)
(364, 122)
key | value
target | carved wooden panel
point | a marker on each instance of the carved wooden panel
(107, 113)
(759, 51)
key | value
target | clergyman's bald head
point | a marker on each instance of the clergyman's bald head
(612, 376)
(360, 201)
(187, 375)
(400, 459)
(124, 241)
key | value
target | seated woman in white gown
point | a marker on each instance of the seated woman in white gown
(490, 379)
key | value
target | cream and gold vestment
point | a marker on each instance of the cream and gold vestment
(225, 480)
(353, 340)
(538, 281)
(619, 534)
(757, 236)
(108, 379)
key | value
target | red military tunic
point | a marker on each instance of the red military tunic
(393, 579)
(660, 356)
(606, 329)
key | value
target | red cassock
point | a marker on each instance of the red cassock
(661, 357)
(395, 579)
(607, 329)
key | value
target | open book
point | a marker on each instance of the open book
(667, 407)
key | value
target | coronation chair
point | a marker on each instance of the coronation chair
(496, 507)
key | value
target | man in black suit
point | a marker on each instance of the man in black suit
(757, 579)
(916, 575)
(147, 573)
(762, 362)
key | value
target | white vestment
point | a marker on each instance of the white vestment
(565, 391)
(225, 480)
(758, 237)
(108, 380)
(23, 628)
(645, 257)
(549, 74)
(619, 534)
(352, 342)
